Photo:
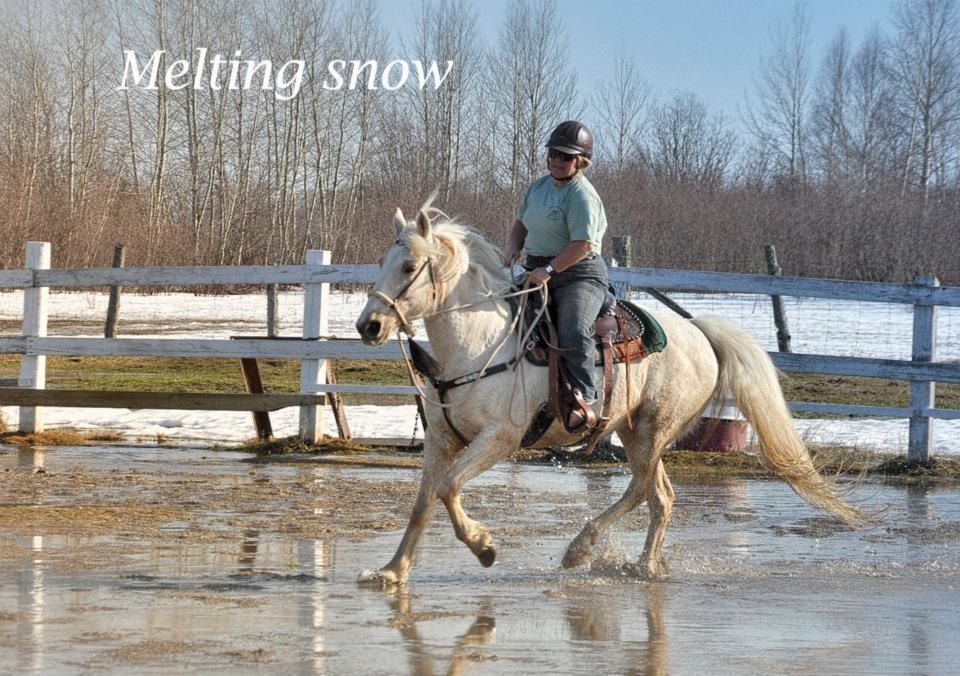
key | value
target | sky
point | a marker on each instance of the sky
(711, 47)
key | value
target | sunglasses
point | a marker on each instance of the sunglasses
(556, 154)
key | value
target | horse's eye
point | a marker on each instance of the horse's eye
(409, 268)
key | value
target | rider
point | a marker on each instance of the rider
(561, 222)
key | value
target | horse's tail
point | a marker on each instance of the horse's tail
(747, 372)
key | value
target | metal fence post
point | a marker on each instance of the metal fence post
(33, 368)
(313, 371)
(922, 393)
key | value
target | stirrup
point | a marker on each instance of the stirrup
(581, 416)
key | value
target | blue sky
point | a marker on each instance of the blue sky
(711, 47)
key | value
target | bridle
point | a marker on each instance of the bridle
(405, 325)
(473, 379)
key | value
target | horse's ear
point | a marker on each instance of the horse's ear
(399, 222)
(423, 225)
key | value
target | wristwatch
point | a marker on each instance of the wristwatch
(549, 269)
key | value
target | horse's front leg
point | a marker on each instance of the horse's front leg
(488, 448)
(436, 461)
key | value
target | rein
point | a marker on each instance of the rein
(443, 386)
(473, 379)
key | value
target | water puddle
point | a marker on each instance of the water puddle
(254, 568)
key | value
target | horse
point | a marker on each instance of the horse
(452, 278)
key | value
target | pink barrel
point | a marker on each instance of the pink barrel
(721, 430)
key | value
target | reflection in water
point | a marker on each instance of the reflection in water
(29, 456)
(314, 558)
(248, 550)
(597, 617)
(918, 641)
(31, 602)
(462, 656)
(918, 503)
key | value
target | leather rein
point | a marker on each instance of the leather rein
(444, 386)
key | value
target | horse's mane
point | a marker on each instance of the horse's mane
(456, 249)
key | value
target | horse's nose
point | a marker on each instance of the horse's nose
(369, 330)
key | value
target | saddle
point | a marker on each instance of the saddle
(624, 333)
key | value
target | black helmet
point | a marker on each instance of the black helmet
(573, 138)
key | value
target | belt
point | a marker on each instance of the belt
(542, 261)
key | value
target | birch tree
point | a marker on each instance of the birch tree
(777, 115)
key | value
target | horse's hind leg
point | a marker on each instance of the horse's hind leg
(581, 548)
(637, 448)
(660, 498)
(644, 446)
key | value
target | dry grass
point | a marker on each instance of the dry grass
(63, 436)
(288, 445)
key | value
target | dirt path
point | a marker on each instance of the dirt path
(122, 560)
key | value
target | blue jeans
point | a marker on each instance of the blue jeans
(576, 296)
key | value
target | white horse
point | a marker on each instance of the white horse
(452, 278)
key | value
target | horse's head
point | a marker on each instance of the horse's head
(408, 285)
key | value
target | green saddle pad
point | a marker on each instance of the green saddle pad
(654, 339)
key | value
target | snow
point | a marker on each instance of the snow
(821, 326)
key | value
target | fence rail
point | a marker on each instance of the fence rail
(922, 371)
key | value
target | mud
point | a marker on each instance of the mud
(168, 560)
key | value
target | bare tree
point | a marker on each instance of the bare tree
(446, 33)
(622, 106)
(688, 145)
(828, 124)
(777, 118)
(537, 84)
(869, 114)
(926, 65)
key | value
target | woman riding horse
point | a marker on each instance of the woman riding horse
(453, 279)
(561, 222)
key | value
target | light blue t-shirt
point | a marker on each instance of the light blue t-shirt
(555, 216)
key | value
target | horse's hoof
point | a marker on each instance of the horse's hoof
(487, 556)
(574, 557)
(655, 570)
(381, 579)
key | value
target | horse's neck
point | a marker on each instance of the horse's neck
(464, 340)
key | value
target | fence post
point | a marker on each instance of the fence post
(272, 323)
(33, 368)
(312, 371)
(622, 251)
(621, 259)
(922, 393)
(113, 305)
(779, 314)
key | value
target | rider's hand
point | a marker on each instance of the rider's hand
(538, 276)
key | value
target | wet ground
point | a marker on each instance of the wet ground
(158, 560)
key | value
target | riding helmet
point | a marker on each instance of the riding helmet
(573, 138)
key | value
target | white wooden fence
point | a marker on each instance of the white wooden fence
(922, 371)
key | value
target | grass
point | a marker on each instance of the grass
(158, 374)
(812, 387)
(168, 374)
(162, 374)
(63, 436)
